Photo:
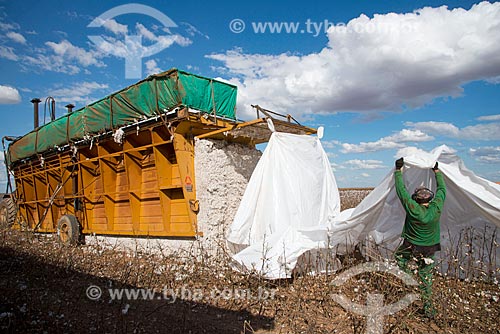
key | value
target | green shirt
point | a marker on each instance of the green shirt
(422, 223)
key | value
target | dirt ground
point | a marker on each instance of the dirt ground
(47, 288)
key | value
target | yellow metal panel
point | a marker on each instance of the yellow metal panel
(146, 186)
(184, 150)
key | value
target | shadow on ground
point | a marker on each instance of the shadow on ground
(40, 297)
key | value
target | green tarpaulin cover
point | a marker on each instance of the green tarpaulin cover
(145, 99)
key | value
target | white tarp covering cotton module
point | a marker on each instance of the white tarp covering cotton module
(292, 189)
(284, 215)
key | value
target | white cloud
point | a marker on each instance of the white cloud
(115, 27)
(495, 80)
(144, 32)
(424, 131)
(164, 41)
(112, 46)
(490, 131)
(9, 26)
(488, 154)
(331, 155)
(9, 95)
(71, 52)
(330, 143)
(363, 164)
(407, 135)
(152, 67)
(408, 151)
(436, 128)
(396, 140)
(16, 37)
(191, 30)
(192, 68)
(489, 118)
(407, 60)
(63, 57)
(178, 39)
(7, 52)
(365, 175)
(78, 93)
(62, 34)
(364, 147)
(51, 63)
(334, 166)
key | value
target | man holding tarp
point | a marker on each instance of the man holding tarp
(421, 231)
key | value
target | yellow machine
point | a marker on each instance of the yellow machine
(125, 164)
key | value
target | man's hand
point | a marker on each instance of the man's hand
(435, 168)
(399, 163)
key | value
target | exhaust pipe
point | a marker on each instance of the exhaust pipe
(70, 108)
(35, 102)
(51, 104)
(52, 109)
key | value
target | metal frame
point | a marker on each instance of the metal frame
(145, 186)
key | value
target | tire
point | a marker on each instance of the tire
(7, 213)
(68, 230)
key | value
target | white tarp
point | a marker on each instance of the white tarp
(292, 188)
(471, 201)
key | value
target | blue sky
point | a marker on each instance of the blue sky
(388, 78)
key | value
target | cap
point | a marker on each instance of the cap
(422, 195)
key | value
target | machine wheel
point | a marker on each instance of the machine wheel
(7, 212)
(68, 230)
